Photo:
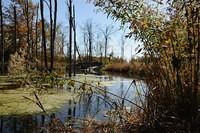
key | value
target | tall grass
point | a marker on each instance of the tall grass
(131, 69)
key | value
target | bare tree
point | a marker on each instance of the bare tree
(26, 13)
(85, 41)
(43, 33)
(51, 33)
(88, 38)
(2, 37)
(107, 32)
(75, 47)
(70, 36)
(54, 34)
(99, 47)
(36, 31)
(122, 45)
(15, 23)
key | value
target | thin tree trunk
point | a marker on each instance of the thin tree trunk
(15, 33)
(74, 26)
(90, 44)
(27, 24)
(2, 38)
(43, 34)
(70, 37)
(196, 80)
(36, 31)
(51, 33)
(31, 36)
(106, 45)
(54, 34)
(62, 47)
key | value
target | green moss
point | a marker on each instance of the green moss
(12, 102)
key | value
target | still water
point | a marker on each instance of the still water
(94, 106)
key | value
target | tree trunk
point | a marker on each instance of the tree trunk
(27, 25)
(70, 38)
(90, 44)
(43, 34)
(106, 45)
(36, 32)
(51, 33)
(15, 33)
(74, 26)
(54, 34)
(31, 36)
(2, 38)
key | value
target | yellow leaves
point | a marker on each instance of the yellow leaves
(167, 41)
(144, 23)
(158, 24)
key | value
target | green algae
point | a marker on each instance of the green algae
(94, 79)
(12, 102)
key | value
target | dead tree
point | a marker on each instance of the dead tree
(89, 37)
(107, 32)
(122, 46)
(36, 31)
(26, 12)
(75, 48)
(43, 33)
(53, 34)
(70, 36)
(2, 38)
(15, 23)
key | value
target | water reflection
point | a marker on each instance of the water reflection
(90, 105)
(25, 124)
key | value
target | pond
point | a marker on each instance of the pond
(94, 106)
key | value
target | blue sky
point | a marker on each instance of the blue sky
(87, 11)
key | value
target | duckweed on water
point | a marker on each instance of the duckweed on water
(12, 102)
(95, 79)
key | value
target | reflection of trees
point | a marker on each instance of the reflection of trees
(105, 95)
(1, 125)
(70, 110)
(26, 124)
(121, 87)
(122, 90)
(15, 124)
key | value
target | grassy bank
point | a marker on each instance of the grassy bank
(131, 69)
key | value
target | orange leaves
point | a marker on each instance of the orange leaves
(22, 28)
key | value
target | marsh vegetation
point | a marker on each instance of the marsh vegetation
(53, 81)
